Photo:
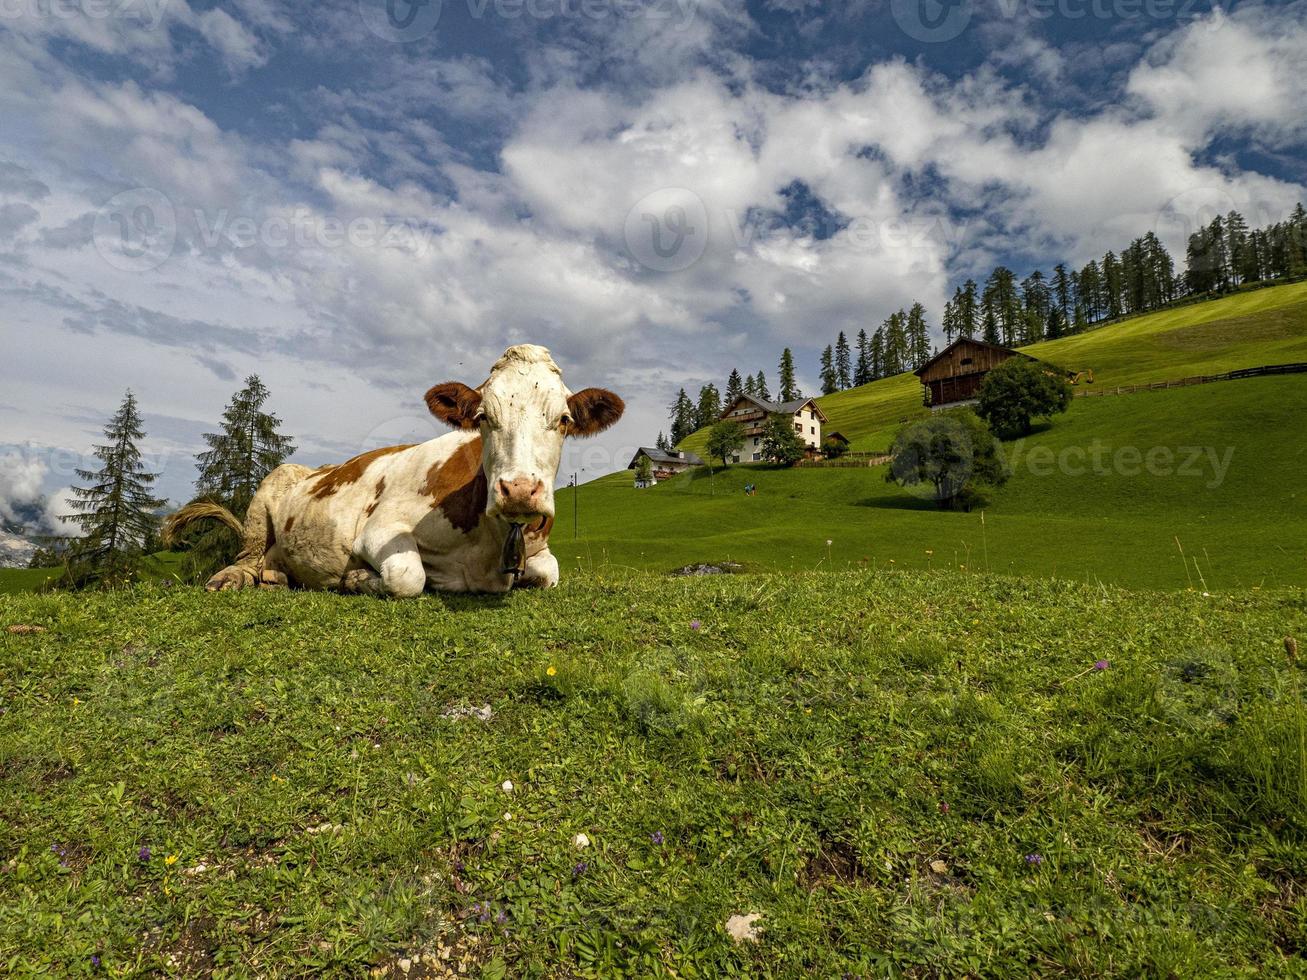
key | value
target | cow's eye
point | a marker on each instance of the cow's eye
(565, 421)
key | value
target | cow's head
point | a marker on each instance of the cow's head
(524, 411)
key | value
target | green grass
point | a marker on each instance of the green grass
(1119, 527)
(162, 566)
(312, 807)
(1263, 326)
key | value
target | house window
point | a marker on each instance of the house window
(966, 360)
(755, 440)
(756, 457)
(812, 429)
(798, 426)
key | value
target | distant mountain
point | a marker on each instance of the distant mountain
(15, 549)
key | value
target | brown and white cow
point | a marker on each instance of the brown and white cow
(398, 520)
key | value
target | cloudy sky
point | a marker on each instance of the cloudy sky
(359, 199)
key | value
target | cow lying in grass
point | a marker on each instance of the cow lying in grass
(446, 514)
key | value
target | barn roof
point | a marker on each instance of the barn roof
(972, 341)
(658, 456)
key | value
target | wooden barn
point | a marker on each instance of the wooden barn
(955, 373)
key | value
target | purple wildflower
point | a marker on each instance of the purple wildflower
(501, 917)
(580, 869)
(695, 624)
(656, 837)
(95, 960)
(485, 913)
(144, 853)
(1035, 859)
(1100, 665)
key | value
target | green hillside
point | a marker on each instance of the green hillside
(1242, 516)
(1262, 326)
(900, 774)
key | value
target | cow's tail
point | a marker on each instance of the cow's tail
(200, 510)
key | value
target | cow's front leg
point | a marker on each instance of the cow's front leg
(394, 555)
(541, 571)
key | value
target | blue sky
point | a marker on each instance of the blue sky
(357, 201)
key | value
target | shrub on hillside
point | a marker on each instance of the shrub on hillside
(725, 439)
(1019, 391)
(951, 455)
(834, 448)
(780, 443)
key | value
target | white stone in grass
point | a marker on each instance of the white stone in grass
(508, 816)
(506, 786)
(581, 840)
(742, 928)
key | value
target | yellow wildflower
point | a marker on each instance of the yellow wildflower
(171, 859)
(552, 670)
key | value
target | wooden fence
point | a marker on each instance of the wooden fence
(1200, 379)
(850, 460)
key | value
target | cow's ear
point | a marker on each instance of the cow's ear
(454, 403)
(593, 410)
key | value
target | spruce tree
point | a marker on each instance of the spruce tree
(789, 386)
(760, 388)
(248, 448)
(877, 354)
(968, 310)
(709, 407)
(862, 372)
(1062, 292)
(830, 382)
(751, 385)
(843, 362)
(734, 388)
(117, 512)
(918, 336)
(682, 415)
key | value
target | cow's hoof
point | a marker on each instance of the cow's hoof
(274, 580)
(229, 578)
(360, 580)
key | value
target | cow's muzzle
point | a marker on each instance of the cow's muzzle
(520, 500)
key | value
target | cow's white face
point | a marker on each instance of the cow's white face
(524, 412)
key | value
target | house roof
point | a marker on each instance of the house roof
(838, 436)
(658, 456)
(974, 343)
(776, 408)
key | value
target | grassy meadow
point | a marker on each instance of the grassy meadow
(1232, 516)
(899, 773)
(1261, 326)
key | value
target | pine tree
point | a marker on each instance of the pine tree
(990, 329)
(734, 387)
(662, 443)
(830, 382)
(862, 372)
(1000, 298)
(248, 448)
(709, 408)
(918, 337)
(788, 385)
(897, 352)
(1062, 292)
(1236, 246)
(1035, 300)
(117, 512)
(968, 310)
(681, 412)
(843, 365)
(877, 353)
(751, 385)
(760, 388)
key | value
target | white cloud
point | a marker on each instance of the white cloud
(1246, 71)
